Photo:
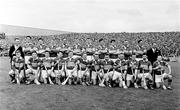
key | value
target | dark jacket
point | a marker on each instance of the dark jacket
(152, 56)
(12, 49)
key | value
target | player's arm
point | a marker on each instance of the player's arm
(169, 67)
(29, 63)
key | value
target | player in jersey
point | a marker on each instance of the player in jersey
(144, 75)
(108, 71)
(33, 70)
(47, 69)
(71, 68)
(18, 65)
(161, 75)
(96, 69)
(132, 69)
(59, 63)
(120, 70)
(84, 72)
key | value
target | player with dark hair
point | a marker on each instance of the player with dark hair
(59, 64)
(161, 75)
(47, 68)
(33, 71)
(18, 65)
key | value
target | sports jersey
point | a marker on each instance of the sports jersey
(163, 64)
(121, 65)
(34, 63)
(71, 63)
(131, 66)
(47, 62)
(58, 62)
(107, 65)
(144, 66)
(83, 64)
(18, 63)
(96, 65)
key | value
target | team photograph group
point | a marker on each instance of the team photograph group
(111, 67)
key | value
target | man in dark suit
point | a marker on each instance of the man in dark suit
(14, 48)
(152, 55)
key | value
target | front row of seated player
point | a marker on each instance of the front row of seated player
(121, 73)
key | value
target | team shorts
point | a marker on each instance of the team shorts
(146, 75)
(47, 73)
(70, 74)
(158, 78)
(117, 75)
(21, 74)
(59, 73)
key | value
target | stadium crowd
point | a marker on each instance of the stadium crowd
(104, 59)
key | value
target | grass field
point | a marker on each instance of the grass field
(54, 97)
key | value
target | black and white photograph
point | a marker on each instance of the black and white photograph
(89, 54)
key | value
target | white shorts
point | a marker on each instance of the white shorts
(108, 75)
(129, 77)
(45, 74)
(117, 75)
(59, 73)
(21, 74)
(81, 73)
(94, 75)
(158, 78)
(70, 74)
(146, 75)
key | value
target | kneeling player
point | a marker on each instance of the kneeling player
(33, 70)
(144, 75)
(84, 73)
(71, 70)
(47, 70)
(96, 70)
(17, 72)
(160, 75)
(108, 72)
(120, 71)
(132, 71)
(59, 68)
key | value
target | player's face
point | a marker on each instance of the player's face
(34, 55)
(60, 54)
(18, 54)
(84, 56)
(133, 57)
(41, 41)
(144, 57)
(17, 41)
(107, 57)
(159, 58)
(96, 57)
(70, 54)
(47, 54)
(121, 56)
